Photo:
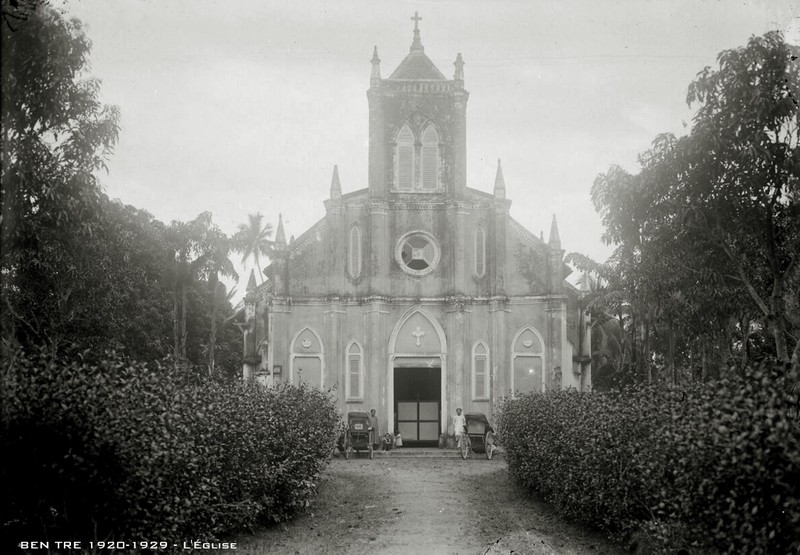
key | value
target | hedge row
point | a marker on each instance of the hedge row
(122, 451)
(711, 467)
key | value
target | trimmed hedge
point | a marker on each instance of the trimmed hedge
(701, 467)
(122, 451)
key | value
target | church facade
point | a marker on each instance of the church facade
(418, 294)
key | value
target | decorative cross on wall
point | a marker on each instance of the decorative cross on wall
(418, 333)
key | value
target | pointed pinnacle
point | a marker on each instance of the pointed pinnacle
(251, 283)
(555, 239)
(280, 235)
(499, 182)
(376, 65)
(459, 63)
(336, 187)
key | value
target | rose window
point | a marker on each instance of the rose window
(417, 253)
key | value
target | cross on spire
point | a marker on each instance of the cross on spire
(416, 19)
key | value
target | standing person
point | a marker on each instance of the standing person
(374, 429)
(459, 423)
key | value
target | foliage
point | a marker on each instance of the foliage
(253, 241)
(75, 267)
(117, 450)
(699, 466)
(55, 135)
(706, 271)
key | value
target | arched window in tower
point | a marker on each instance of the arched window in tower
(480, 251)
(355, 371)
(354, 258)
(430, 159)
(404, 158)
(480, 371)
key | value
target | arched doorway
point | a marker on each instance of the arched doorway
(417, 370)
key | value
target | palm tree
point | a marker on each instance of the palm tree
(218, 263)
(252, 240)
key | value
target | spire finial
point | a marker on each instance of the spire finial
(555, 239)
(280, 235)
(416, 19)
(336, 187)
(459, 63)
(251, 283)
(417, 44)
(376, 65)
(499, 182)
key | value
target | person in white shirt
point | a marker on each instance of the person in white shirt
(459, 423)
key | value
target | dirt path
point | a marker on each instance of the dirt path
(421, 506)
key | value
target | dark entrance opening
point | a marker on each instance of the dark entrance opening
(418, 405)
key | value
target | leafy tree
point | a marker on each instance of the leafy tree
(55, 135)
(744, 179)
(706, 233)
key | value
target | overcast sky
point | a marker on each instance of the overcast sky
(242, 107)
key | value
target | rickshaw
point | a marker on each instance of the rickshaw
(478, 437)
(357, 437)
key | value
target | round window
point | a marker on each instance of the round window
(417, 253)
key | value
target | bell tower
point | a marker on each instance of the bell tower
(417, 128)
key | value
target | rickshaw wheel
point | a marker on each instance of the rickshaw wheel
(370, 451)
(488, 442)
(464, 446)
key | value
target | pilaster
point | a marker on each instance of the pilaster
(460, 97)
(458, 371)
(559, 357)
(463, 242)
(500, 349)
(339, 245)
(376, 369)
(378, 144)
(498, 254)
(335, 357)
(379, 254)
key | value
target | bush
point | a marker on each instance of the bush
(122, 451)
(708, 467)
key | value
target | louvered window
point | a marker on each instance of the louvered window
(430, 159)
(354, 260)
(480, 251)
(354, 371)
(405, 159)
(480, 372)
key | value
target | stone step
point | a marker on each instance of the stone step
(426, 453)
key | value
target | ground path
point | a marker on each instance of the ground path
(420, 506)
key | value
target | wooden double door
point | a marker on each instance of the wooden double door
(418, 405)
